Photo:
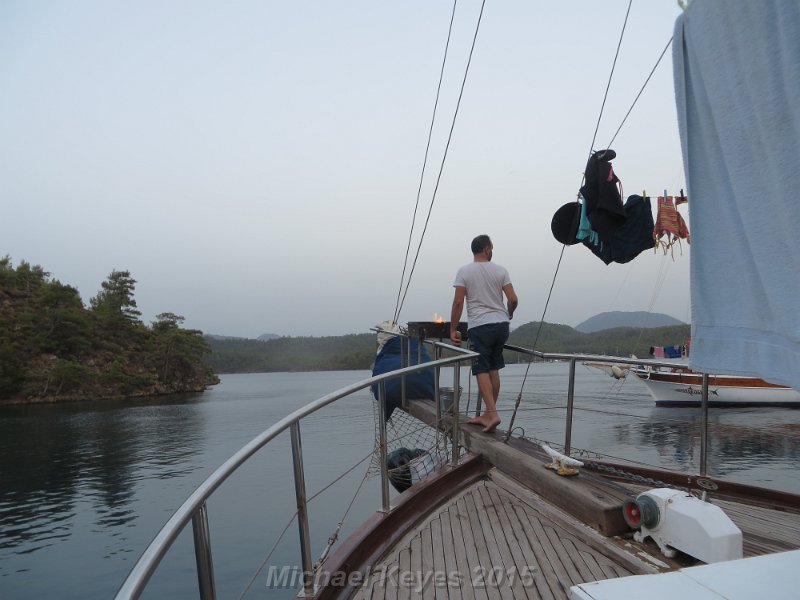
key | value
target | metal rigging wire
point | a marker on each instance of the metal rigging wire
(444, 158)
(558, 266)
(424, 163)
(535, 341)
(646, 81)
(610, 75)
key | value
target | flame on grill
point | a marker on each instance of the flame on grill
(437, 318)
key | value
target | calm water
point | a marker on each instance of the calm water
(85, 487)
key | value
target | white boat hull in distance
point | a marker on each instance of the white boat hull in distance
(685, 388)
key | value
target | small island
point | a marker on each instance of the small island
(55, 349)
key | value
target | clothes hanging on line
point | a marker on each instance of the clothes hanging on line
(586, 234)
(603, 194)
(667, 351)
(565, 223)
(632, 238)
(670, 226)
(612, 231)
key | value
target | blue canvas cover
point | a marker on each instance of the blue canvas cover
(419, 386)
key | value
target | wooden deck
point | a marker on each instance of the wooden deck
(519, 531)
(497, 540)
(763, 530)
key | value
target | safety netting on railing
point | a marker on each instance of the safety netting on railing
(414, 448)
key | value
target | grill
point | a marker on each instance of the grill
(430, 329)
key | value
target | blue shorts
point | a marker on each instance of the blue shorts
(488, 341)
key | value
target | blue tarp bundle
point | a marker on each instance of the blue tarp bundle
(418, 385)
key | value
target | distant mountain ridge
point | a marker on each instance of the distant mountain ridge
(639, 319)
(357, 351)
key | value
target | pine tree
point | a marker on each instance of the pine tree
(115, 301)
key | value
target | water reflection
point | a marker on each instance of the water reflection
(618, 419)
(737, 440)
(83, 489)
(60, 461)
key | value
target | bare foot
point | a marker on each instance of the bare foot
(488, 423)
(490, 427)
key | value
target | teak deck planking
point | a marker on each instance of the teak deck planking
(499, 538)
(506, 542)
(488, 543)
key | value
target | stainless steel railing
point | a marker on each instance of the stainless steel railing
(194, 509)
(574, 358)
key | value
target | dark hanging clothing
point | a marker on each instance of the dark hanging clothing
(603, 200)
(633, 237)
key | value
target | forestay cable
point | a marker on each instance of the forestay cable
(424, 163)
(444, 159)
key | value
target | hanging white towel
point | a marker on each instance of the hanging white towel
(737, 86)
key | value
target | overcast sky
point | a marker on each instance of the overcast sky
(255, 164)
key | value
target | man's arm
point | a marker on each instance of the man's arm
(455, 313)
(511, 296)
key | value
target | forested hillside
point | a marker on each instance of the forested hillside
(621, 341)
(338, 353)
(53, 348)
(358, 351)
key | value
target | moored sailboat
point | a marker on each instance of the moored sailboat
(681, 386)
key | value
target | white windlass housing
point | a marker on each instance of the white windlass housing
(677, 520)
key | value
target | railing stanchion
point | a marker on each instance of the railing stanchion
(403, 364)
(704, 427)
(383, 450)
(437, 396)
(202, 553)
(456, 397)
(302, 511)
(570, 405)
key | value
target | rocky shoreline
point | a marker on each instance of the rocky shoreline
(158, 390)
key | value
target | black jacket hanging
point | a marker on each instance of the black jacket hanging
(604, 207)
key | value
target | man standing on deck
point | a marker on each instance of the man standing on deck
(483, 283)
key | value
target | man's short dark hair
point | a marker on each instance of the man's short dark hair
(480, 243)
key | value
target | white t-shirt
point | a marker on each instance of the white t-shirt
(484, 282)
